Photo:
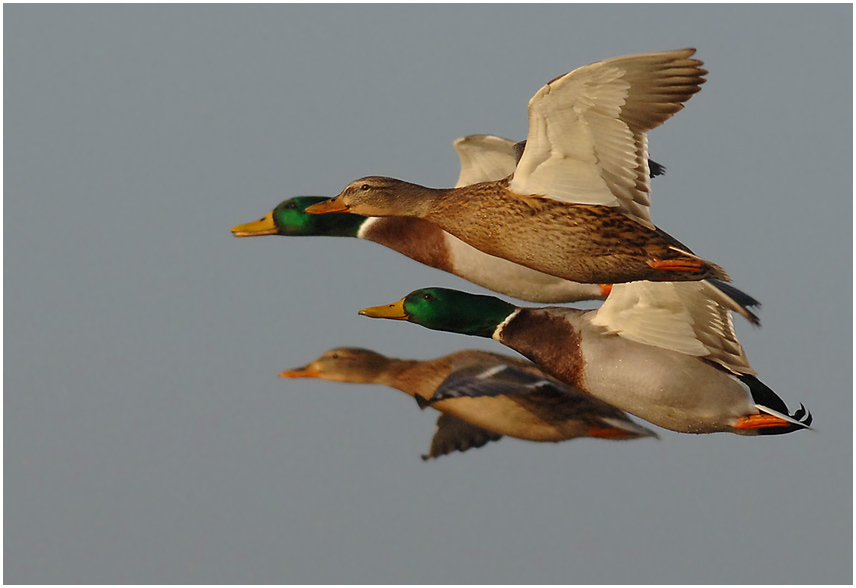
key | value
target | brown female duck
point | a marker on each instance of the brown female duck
(482, 396)
(576, 206)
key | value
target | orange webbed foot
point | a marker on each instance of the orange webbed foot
(602, 433)
(678, 265)
(760, 421)
(770, 424)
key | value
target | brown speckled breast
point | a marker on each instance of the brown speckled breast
(416, 238)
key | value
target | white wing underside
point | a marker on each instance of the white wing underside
(693, 318)
(484, 158)
(587, 140)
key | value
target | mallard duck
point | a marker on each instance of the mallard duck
(664, 352)
(426, 243)
(483, 158)
(482, 396)
(576, 206)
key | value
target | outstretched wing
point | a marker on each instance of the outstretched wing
(587, 139)
(484, 158)
(689, 317)
(454, 434)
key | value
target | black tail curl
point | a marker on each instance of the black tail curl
(764, 396)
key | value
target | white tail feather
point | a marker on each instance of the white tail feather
(630, 426)
(784, 417)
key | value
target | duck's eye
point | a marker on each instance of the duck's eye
(365, 187)
(335, 356)
(427, 297)
(290, 206)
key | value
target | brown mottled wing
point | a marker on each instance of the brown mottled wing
(454, 434)
(543, 396)
(587, 141)
(494, 378)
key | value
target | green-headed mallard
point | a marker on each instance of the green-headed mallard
(665, 352)
(483, 158)
(576, 206)
(482, 396)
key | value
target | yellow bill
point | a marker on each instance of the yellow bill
(389, 311)
(263, 226)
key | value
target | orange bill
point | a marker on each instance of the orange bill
(334, 205)
(303, 372)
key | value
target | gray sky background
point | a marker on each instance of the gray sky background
(148, 438)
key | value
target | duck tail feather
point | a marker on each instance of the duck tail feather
(801, 419)
(655, 169)
(762, 394)
(737, 300)
(630, 427)
(768, 402)
(739, 296)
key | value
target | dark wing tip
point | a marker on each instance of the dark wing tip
(655, 169)
(739, 296)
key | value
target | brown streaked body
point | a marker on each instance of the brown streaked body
(427, 243)
(579, 242)
(576, 203)
(552, 413)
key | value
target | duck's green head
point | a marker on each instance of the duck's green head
(442, 309)
(291, 219)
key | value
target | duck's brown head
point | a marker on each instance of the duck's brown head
(344, 364)
(379, 196)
